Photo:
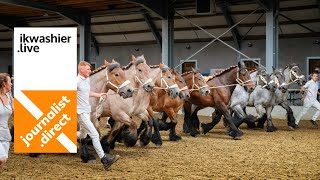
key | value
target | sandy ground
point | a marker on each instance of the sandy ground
(258, 155)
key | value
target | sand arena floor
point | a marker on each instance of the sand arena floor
(258, 155)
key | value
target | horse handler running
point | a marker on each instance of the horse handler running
(83, 114)
(311, 88)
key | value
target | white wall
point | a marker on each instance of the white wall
(217, 55)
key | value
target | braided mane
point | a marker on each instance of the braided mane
(127, 66)
(189, 72)
(98, 70)
(220, 73)
(154, 66)
(252, 71)
(139, 61)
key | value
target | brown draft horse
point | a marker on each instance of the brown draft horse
(161, 101)
(219, 99)
(188, 80)
(164, 83)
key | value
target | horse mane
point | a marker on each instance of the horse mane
(189, 72)
(154, 66)
(98, 70)
(220, 73)
(111, 67)
(252, 71)
(139, 61)
(288, 65)
(127, 66)
(164, 69)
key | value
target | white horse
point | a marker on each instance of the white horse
(262, 98)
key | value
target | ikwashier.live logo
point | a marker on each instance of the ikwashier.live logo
(45, 91)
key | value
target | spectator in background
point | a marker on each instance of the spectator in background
(6, 111)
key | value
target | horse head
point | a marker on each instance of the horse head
(116, 79)
(264, 80)
(279, 79)
(294, 74)
(183, 88)
(142, 71)
(243, 77)
(165, 80)
(196, 82)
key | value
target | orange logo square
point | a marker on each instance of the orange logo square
(46, 122)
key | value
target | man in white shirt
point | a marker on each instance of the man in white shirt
(83, 114)
(311, 91)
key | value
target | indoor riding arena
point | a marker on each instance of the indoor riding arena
(188, 89)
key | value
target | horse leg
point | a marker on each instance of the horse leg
(107, 141)
(187, 126)
(156, 137)
(146, 135)
(163, 125)
(250, 119)
(141, 127)
(239, 115)
(187, 116)
(195, 122)
(234, 131)
(173, 117)
(216, 117)
(290, 117)
(270, 126)
(262, 116)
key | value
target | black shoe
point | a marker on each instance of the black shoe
(314, 123)
(296, 126)
(108, 160)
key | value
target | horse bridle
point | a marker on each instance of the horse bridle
(291, 72)
(266, 83)
(276, 80)
(195, 85)
(163, 81)
(115, 86)
(183, 88)
(239, 81)
(136, 78)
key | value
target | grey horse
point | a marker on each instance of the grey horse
(291, 74)
(240, 97)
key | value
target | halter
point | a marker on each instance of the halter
(276, 80)
(195, 85)
(163, 81)
(115, 86)
(136, 78)
(239, 81)
(183, 89)
(291, 72)
(264, 81)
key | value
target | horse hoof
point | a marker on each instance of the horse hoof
(186, 131)
(236, 134)
(175, 138)
(158, 145)
(260, 126)
(143, 143)
(205, 130)
(290, 128)
(156, 140)
(271, 129)
(193, 134)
